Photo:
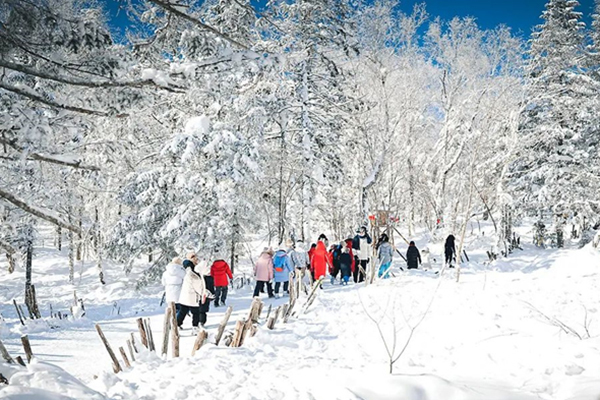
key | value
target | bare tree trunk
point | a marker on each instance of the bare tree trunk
(71, 254)
(96, 230)
(281, 206)
(100, 270)
(59, 238)
(411, 194)
(80, 235)
(11, 263)
(71, 259)
(234, 239)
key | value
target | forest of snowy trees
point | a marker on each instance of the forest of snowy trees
(213, 121)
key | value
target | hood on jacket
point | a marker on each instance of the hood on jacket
(202, 268)
(172, 268)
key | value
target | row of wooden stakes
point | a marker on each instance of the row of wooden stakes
(243, 327)
(17, 360)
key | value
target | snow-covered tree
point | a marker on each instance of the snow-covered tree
(557, 147)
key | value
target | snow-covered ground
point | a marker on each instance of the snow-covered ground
(525, 327)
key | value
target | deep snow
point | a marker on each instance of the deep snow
(524, 327)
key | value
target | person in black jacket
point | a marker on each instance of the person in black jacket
(210, 285)
(345, 265)
(449, 250)
(413, 257)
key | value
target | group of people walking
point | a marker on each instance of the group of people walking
(192, 284)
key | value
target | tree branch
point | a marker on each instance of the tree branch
(38, 212)
(77, 82)
(50, 159)
(10, 250)
(40, 99)
(197, 22)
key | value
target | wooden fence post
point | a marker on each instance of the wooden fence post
(125, 359)
(148, 330)
(18, 312)
(27, 348)
(140, 323)
(237, 334)
(200, 339)
(166, 325)
(5, 354)
(130, 350)
(222, 325)
(174, 330)
(116, 365)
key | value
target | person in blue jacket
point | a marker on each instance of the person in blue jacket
(282, 267)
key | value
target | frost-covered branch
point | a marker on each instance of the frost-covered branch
(53, 159)
(40, 99)
(170, 8)
(78, 82)
(38, 212)
(7, 247)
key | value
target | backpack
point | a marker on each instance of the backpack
(279, 262)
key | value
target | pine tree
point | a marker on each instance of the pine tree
(552, 170)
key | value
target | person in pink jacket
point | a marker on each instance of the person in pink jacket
(263, 272)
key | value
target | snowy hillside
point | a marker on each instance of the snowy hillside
(525, 327)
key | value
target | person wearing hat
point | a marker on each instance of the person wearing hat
(362, 244)
(263, 272)
(193, 292)
(172, 279)
(282, 268)
(413, 258)
(321, 259)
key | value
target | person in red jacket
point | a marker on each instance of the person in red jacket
(320, 259)
(311, 252)
(220, 272)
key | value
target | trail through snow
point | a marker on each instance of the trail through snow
(525, 327)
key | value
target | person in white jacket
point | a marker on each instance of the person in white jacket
(193, 292)
(172, 279)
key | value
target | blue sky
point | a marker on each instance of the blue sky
(520, 15)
